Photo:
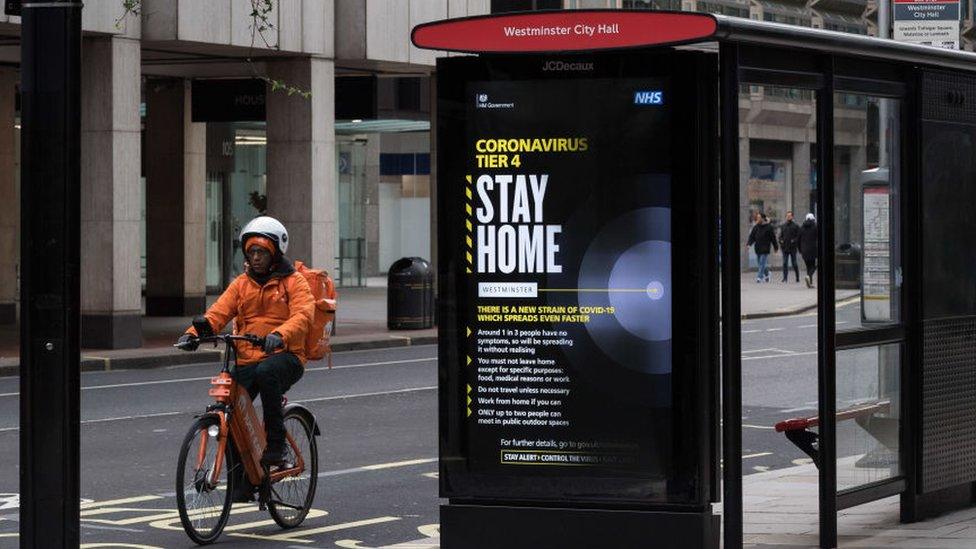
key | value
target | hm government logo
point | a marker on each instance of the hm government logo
(481, 102)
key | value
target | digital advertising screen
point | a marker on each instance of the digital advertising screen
(562, 245)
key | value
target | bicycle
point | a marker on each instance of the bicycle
(205, 479)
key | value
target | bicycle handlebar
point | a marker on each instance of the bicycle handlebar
(226, 338)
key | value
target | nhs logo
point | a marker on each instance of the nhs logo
(649, 97)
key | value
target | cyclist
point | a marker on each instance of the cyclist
(273, 301)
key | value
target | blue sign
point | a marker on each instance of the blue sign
(649, 97)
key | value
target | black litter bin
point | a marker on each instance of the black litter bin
(848, 266)
(410, 295)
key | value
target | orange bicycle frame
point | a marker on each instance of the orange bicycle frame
(247, 432)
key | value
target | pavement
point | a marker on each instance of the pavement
(780, 510)
(360, 324)
(775, 298)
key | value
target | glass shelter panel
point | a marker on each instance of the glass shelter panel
(777, 155)
(777, 139)
(867, 187)
(868, 415)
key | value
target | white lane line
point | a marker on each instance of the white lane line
(103, 420)
(774, 329)
(788, 355)
(750, 331)
(807, 326)
(376, 467)
(320, 399)
(203, 378)
(760, 454)
(378, 393)
(763, 427)
(760, 350)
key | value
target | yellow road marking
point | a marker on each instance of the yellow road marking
(15, 534)
(170, 514)
(174, 522)
(351, 544)
(296, 535)
(136, 499)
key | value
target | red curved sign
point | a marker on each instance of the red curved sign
(574, 30)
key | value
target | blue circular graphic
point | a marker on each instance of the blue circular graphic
(635, 306)
(655, 290)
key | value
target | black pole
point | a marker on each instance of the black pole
(731, 306)
(50, 249)
(827, 360)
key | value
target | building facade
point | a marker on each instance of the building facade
(198, 116)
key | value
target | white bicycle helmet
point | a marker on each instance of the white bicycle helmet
(268, 227)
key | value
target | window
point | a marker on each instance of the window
(504, 6)
(672, 5)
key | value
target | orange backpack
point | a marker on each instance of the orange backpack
(317, 344)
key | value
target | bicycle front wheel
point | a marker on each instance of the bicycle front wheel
(204, 505)
(291, 497)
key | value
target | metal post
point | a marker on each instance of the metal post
(50, 249)
(826, 359)
(731, 280)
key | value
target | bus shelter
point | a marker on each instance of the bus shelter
(592, 191)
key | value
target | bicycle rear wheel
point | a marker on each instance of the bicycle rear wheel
(204, 507)
(291, 497)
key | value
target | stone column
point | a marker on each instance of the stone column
(301, 158)
(745, 223)
(859, 161)
(801, 181)
(111, 307)
(176, 202)
(10, 221)
(372, 208)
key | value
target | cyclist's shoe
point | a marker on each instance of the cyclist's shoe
(274, 455)
(243, 492)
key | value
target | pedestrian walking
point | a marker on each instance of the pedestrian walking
(789, 241)
(763, 237)
(808, 246)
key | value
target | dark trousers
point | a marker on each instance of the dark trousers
(811, 265)
(271, 378)
(787, 256)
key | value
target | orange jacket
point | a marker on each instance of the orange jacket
(283, 305)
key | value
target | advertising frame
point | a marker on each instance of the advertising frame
(695, 197)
